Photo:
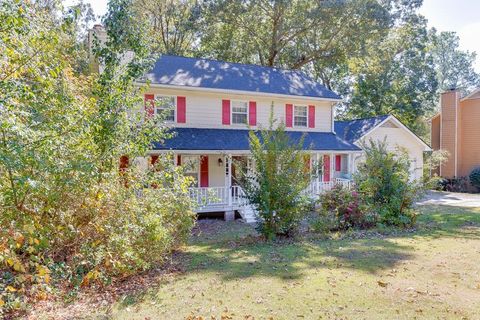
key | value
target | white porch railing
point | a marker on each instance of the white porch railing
(228, 198)
(318, 187)
(218, 196)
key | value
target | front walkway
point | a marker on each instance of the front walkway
(467, 200)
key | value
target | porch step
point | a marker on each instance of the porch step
(248, 214)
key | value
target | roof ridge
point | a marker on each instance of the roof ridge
(237, 63)
(366, 118)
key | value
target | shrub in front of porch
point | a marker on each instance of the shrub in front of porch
(384, 185)
(342, 208)
(276, 186)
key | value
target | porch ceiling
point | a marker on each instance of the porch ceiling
(237, 139)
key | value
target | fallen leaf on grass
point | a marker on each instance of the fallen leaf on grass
(382, 283)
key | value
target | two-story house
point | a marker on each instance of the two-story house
(212, 105)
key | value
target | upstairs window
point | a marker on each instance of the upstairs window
(239, 112)
(165, 105)
(300, 116)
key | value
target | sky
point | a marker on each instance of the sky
(461, 16)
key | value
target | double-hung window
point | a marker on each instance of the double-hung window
(239, 112)
(300, 116)
(165, 105)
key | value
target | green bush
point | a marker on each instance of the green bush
(276, 186)
(475, 177)
(385, 187)
(342, 208)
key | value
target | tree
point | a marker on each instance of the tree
(396, 77)
(290, 34)
(454, 67)
(276, 185)
(173, 27)
(64, 203)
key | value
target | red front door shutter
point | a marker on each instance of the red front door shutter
(225, 111)
(181, 110)
(252, 113)
(289, 115)
(149, 104)
(179, 160)
(204, 171)
(338, 162)
(326, 168)
(311, 116)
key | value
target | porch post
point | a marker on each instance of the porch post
(229, 180)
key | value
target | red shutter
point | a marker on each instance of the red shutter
(179, 160)
(153, 159)
(181, 110)
(252, 113)
(204, 171)
(326, 168)
(123, 166)
(289, 115)
(149, 104)
(311, 116)
(225, 111)
(123, 163)
(338, 162)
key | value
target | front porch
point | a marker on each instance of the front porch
(217, 176)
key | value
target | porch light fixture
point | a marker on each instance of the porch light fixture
(220, 162)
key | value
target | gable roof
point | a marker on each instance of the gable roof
(237, 139)
(353, 130)
(212, 74)
(472, 94)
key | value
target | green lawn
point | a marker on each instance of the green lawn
(431, 273)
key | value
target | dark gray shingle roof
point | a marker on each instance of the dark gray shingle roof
(213, 74)
(353, 130)
(237, 139)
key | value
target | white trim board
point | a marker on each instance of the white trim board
(230, 91)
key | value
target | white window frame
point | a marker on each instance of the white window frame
(159, 96)
(293, 120)
(247, 112)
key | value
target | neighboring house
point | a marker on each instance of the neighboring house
(389, 129)
(456, 129)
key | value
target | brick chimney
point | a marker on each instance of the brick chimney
(449, 131)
